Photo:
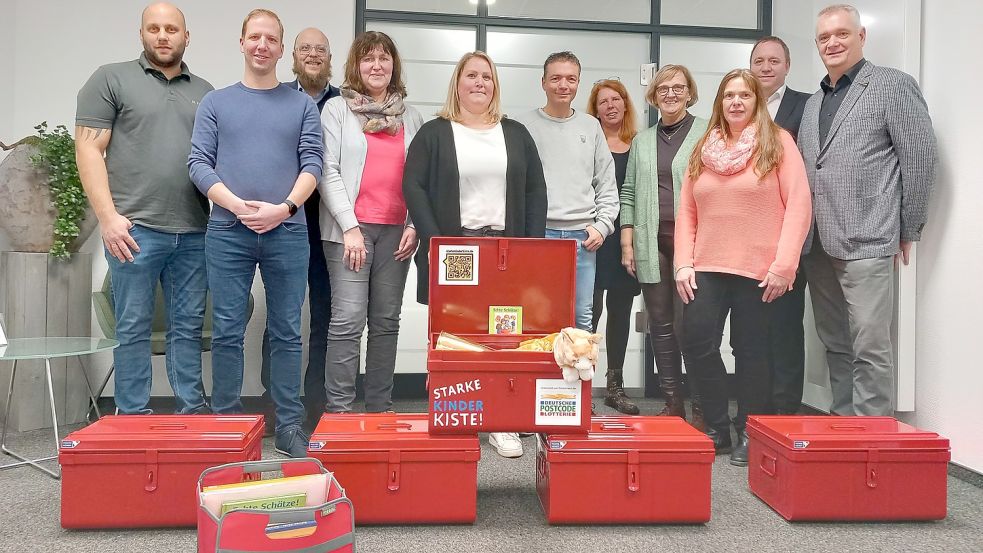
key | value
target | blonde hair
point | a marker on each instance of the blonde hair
(452, 106)
(628, 124)
(667, 72)
(257, 13)
(768, 151)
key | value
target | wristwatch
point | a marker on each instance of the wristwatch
(292, 207)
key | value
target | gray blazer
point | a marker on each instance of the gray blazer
(872, 178)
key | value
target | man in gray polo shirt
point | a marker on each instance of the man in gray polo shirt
(132, 138)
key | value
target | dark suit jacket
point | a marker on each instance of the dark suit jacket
(431, 187)
(789, 115)
(312, 207)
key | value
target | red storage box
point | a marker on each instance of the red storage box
(395, 472)
(472, 280)
(847, 468)
(328, 527)
(133, 471)
(626, 470)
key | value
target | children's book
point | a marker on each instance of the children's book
(505, 319)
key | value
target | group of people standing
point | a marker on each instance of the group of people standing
(335, 189)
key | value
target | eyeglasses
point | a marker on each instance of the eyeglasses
(308, 48)
(677, 89)
(599, 81)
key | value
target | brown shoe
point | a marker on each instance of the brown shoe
(674, 407)
(620, 401)
(697, 419)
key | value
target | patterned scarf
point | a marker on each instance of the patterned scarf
(385, 116)
(727, 161)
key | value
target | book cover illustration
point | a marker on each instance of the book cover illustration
(505, 319)
(290, 501)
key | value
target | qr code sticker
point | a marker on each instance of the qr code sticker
(458, 265)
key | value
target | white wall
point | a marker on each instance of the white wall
(949, 384)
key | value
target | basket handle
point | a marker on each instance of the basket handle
(233, 472)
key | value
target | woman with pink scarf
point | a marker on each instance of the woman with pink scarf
(744, 213)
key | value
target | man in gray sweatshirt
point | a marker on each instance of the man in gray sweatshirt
(580, 183)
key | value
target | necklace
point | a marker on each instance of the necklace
(669, 135)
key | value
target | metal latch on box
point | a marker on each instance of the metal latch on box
(634, 474)
(871, 473)
(150, 475)
(503, 255)
(393, 471)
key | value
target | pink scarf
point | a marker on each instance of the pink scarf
(722, 160)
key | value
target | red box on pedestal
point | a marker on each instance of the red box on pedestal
(132, 471)
(498, 292)
(395, 472)
(847, 468)
(626, 470)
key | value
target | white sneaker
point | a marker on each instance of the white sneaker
(507, 443)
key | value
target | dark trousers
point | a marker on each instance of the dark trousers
(703, 324)
(788, 348)
(319, 303)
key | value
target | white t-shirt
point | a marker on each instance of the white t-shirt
(481, 163)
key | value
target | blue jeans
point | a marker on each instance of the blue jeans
(586, 269)
(177, 261)
(233, 252)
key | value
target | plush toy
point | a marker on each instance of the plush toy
(576, 353)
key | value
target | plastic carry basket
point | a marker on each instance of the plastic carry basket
(245, 531)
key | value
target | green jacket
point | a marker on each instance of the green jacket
(640, 195)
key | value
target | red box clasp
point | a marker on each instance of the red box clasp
(633, 473)
(393, 472)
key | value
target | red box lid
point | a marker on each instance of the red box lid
(173, 433)
(362, 432)
(535, 273)
(844, 433)
(613, 434)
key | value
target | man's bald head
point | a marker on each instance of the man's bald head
(312, 60)
(165, 9)
(164, 34)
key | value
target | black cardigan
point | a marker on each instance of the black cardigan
(431, 187)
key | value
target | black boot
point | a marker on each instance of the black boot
(720, 438)
(616, 396)
(738, 457)
(669, 363)
(696, 405)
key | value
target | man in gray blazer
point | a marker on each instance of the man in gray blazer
(870, 154)
(770, 63)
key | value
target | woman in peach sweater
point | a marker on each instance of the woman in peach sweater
(744, 212)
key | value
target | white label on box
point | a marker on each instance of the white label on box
(557, 402)
(458, 265)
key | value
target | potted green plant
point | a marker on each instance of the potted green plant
(45, 207)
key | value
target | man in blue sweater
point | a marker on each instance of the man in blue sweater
(256, 152)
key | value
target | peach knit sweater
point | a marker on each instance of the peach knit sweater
(742, 225)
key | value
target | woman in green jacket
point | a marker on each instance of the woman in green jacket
(649, 199)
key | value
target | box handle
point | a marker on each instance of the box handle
(634, 475)
(769, 464)
(170, 426)
(511, 384)
(150, 459)
(395, 426)
(616, 426)
(857, 427)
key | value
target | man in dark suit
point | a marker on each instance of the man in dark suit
(870, 155)
(312, 66)
(770, 64)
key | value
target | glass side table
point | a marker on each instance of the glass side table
(47, 348)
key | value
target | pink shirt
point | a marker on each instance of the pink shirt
(380, 192)
(742, 225)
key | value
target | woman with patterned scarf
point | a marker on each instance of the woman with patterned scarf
(368, 238)
(744, 212)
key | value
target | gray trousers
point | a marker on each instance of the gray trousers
(853, 302)
(373, 294)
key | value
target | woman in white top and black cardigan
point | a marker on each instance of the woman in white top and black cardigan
(471, 172)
